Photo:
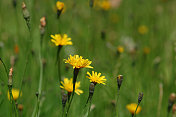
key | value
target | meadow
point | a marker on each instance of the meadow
(130, 39)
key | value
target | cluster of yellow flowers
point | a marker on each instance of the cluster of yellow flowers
(77, 62)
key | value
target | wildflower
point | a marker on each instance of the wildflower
(60, 8)
(105, 5)
(59, 5)
(68, 86)
(120, 49)
(143, 29)
(132, 108)
(146, 50)
(60, 40)
(15, 94)
(78, 62)
(96, 78)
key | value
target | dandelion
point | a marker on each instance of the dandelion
(120, 49)
(60, 8)
(15, 94)
(105, 5)
(68, 86)
(60, 40)
(96, 78)
(142, 29)
(78, 62)
(132, 108)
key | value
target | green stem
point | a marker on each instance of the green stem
(117, 99)
(135, 111)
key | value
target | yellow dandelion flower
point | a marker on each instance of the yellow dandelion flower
(68, 86)
(60, 40)
(105, 5)
(143, 29)
(120, 49)
(78, 62)
(60, 5)
(15, 94)
(96, 78)
(132, 108)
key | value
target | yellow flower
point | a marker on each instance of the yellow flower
(68, 86)
(143, 29)
(78, 62)
(105, 5)
(132, 108)
(59, 5)
(120, 49)
(96, 78)
(61, 40)
(146, 50)
(15, 94)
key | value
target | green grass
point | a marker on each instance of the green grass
(84, 26)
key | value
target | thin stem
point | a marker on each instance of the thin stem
(4, 67)
(75, 74)
(58, 60)
(135, 111)
(117, 99)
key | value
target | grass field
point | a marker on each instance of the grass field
(133, 38)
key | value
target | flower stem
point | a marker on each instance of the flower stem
(58, 60)
(117, 99)
(75, 74)
(135, 111)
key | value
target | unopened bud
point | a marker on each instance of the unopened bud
(174, 108)
(103, 35)
(26, 14)
(10, 77)
(42, 26)
(119, 81)
(171, 101)
(20, 107)
(140, 97)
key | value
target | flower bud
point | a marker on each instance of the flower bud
(119, 81)
(140, 97)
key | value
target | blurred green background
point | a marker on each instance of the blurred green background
(145, 29)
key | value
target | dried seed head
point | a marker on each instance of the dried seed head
(20, 107)
(119, 81)
(140, 97)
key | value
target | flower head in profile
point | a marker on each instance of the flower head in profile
(96, 78)
(59, 5)
(132, 108)
(78, 62)
(68, 86)
(15, 94)
(142, 29)
(60, 40)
